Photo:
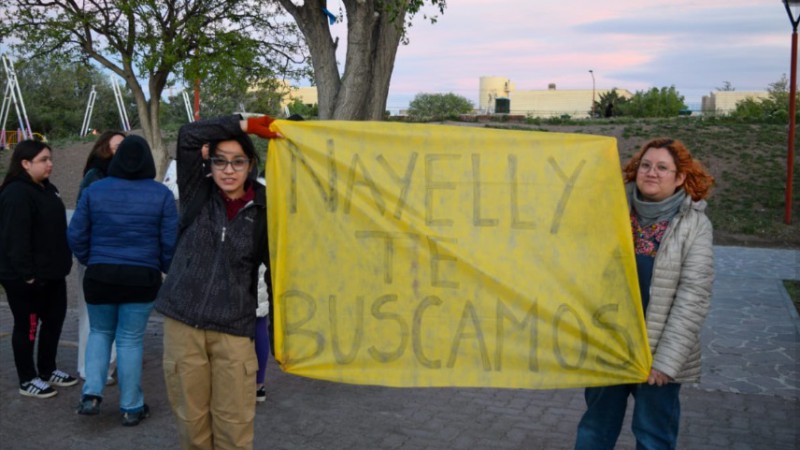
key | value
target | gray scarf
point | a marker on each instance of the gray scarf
(649, 213)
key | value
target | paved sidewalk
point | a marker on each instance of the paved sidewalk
(749, 397)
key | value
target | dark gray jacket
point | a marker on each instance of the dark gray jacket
(212, 280)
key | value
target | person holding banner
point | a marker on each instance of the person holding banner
(209, 297)
(672, 236)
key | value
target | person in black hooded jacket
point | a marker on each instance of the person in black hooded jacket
(123, 230)
(34, 263)
(96, 169)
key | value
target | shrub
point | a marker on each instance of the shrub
(439, 106)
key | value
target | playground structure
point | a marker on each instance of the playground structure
(12, 96)
(188, 105)
(119, 100)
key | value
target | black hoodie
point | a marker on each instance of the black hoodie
(33, 232)
(133, 160)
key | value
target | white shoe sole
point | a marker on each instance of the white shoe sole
(32, 395)
(63, 383)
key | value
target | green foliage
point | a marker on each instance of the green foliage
(439, 106)
(56, 92)
(155, 44)
(408, 9)
(306, 111)
(221, 97)
(610, 104)
(664, 102)
(773, 109)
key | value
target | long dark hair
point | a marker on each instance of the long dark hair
(248, 148)
(101, 149)
(25, 150)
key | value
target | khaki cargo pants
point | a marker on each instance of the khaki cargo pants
(211, 385)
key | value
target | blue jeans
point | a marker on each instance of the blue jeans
(262, 348)
(656, 416)
(124, 323)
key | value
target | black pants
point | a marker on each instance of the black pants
(45, 302)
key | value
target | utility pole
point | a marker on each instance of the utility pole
(592, 72)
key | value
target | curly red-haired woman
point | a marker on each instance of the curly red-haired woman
(672, 235)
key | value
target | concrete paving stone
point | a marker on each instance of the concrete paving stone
(498, 443)
(463, 442)
(768, 358)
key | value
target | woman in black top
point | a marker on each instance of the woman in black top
(34, 263)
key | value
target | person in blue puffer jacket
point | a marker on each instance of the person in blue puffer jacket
(124, 231)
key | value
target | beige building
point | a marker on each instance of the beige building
(724, 102)
(576, 103)
(307, 95)
(534, 103)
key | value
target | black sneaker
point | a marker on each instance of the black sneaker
(37, 388)
(133, 419)
(63, 379)
(261, 394)
(89, 405)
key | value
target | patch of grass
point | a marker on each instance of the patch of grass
(793, 288)
(748, 161)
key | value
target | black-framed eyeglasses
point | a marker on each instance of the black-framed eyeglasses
(238, 164)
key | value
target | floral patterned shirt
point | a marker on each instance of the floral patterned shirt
(647, 239)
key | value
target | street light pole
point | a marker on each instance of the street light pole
(592, 72)
(787, 217)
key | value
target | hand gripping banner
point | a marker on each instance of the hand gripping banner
(431, 255)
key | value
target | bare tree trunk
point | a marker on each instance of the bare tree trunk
(372, 40)
(387, 35)
(314, 25)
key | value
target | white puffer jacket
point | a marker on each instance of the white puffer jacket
(263, 294)
(680, 292)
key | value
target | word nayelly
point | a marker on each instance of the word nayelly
(421, 255)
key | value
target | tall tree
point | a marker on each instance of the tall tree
(375, 28)
(655, 102)
(150, 43)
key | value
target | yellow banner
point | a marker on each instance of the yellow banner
(431, 255)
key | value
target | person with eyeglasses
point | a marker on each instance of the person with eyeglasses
(209, 298)
(672, 236)
(34, 263)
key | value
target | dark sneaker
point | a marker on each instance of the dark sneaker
(261, 394)
(133, 419)
(89, 405)
(37, 388)
(63, 379)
